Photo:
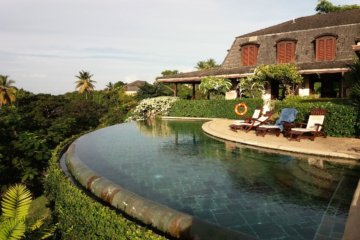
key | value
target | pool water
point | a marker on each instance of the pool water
(266, 195)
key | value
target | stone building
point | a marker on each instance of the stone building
(321, 45)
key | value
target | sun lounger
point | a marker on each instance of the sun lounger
(247, 126)
(282, 124)
(238, 123)
(314, 127)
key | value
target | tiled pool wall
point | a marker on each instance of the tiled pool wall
(167, 220)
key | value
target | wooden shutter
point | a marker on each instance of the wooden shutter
(325, 48)
(245, 56)
(285, 52)
(249, 55)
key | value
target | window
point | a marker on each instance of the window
(325, 48)
(285, 51)
(249, 54)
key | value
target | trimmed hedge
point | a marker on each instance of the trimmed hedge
(212, 108)
(80, 217)
(341, 119)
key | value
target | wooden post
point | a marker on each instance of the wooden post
(176, 90)
(193, 91)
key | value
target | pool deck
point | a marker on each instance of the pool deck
(333, 147)
(340, 150)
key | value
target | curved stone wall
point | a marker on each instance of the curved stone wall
(172, 222)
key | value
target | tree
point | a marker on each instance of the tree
(169, 72)
(153, 90)
(286, 74)
(207, 64)
(85, 84)
(215, 85)
(7, 91)
(109, 87)
(353, 77)
(325, 6)
(251, 87)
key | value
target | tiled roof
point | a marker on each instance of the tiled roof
(311, 22)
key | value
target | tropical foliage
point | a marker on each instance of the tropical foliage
(251, 87)
(85, 84)
(39, 122)
(214, 85)
(325, 6)
(353, 77)
(285, 74)
(153, 90)
(7, 91)
(206, 64)
(15, 206)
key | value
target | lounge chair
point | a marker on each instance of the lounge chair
(314, 127)
(247, 126)
(237, 123)
(282, 124)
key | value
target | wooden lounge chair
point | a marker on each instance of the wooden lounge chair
(237, 123)
(282, 124)
(247, 126)
(314, 127)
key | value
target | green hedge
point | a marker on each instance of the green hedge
(341, 119)
(212, 108)
(81, 217)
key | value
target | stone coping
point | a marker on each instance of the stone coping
(174, 223)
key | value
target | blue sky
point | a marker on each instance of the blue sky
(45, 43)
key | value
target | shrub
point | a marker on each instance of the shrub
(340, 119)
(150, 107)
(80, 217)
(212, 108)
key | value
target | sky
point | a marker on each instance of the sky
(45, 43)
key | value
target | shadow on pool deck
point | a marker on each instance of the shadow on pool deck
(346, 149)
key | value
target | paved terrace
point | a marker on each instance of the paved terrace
(347, 149)
(344, 148)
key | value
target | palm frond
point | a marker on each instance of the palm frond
(16, 202)
(12, 229)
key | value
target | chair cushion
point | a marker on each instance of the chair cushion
(301, 130)
(270, 126)
(313, 120)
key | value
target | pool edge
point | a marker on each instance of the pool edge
(176, 224)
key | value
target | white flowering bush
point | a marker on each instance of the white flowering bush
(150, 107)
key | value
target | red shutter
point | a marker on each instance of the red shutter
(252, 55)
(325, 49)
(281, 52)
(289, 52)
(245, 56)
(329, 49)
(320, 50)
(249, 55)
(285, 52)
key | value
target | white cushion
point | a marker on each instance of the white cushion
(238, 122)
(269, 126)
(301, 129)
(313, 120)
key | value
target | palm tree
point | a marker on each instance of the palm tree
(7, 91)
(109, 87)
(207, 64)
(85, 84)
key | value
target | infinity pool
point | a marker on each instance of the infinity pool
(266, 195)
